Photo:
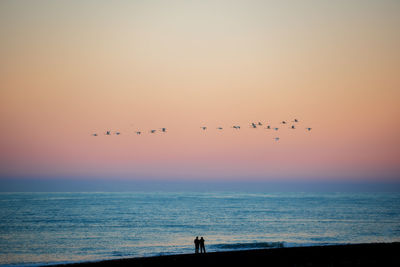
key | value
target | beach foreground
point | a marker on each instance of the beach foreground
(375, 254)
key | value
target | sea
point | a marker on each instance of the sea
(47, 228)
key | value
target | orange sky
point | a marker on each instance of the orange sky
(72, 68)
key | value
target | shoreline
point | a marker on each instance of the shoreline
(370, 254)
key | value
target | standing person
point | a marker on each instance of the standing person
(202, 246)
(196, 244)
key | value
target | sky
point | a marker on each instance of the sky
(69, 69)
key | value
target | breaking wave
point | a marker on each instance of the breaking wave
(257, 245)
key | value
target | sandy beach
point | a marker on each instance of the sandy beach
(376, 254)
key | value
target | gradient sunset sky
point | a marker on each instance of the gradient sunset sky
(69, 69)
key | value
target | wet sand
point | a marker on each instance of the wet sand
(376, 254)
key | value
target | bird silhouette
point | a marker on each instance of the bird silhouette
(291, 124)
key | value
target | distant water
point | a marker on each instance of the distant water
(39, 228)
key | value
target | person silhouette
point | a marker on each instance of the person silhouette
(202, 246)
(196, 244)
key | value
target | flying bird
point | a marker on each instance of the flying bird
(253, 125)
(219, 128)
(163, 130)
(117, 133)
(292, 127)
(204, 127)
(259, 123)
(276, 129)
(236, 127)
(108, 132)
(268, 127)
(283, 122)
(152, 131)
(295, 120)
(308, 129)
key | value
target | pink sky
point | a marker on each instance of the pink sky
(70, 69)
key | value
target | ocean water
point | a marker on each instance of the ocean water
(41, 228)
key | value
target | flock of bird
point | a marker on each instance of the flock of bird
(253, 125)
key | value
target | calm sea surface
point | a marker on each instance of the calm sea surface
(38, 228)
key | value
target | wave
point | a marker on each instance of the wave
(256, 245)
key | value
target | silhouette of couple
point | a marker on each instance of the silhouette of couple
(199, 243)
